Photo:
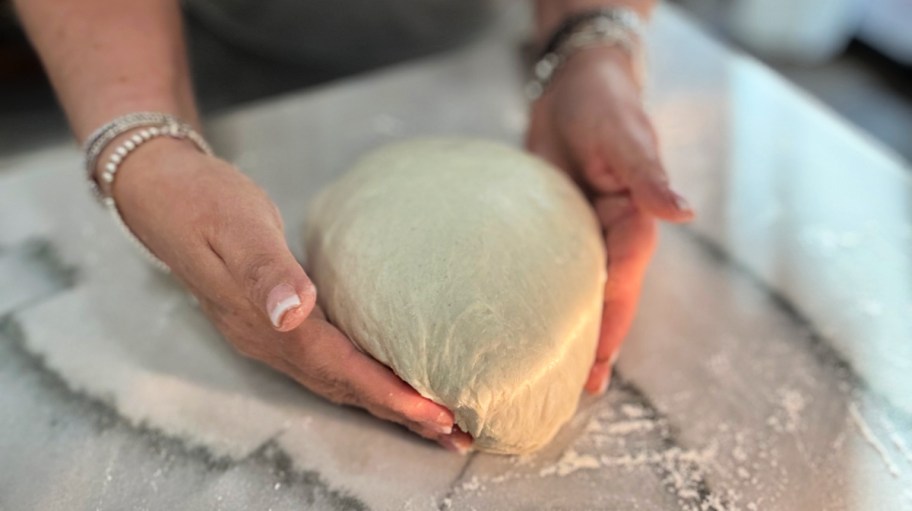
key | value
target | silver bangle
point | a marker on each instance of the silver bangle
(609, 27)
(166, 126)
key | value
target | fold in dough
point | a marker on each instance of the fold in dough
(472, 269)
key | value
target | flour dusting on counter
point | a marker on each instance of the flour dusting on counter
(868, 434)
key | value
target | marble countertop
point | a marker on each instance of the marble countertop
(769, 368)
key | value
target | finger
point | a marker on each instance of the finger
(325, 361)
(617, 317)
(630, 240)
(600, 178)
(640, 167)
(652, 192)
(599, 378)
(259, 261)
(627, 156)
(458, 441)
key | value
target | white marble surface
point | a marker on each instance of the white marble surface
(770, 367)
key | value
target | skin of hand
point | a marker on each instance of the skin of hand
(592, 124)
(223, 239)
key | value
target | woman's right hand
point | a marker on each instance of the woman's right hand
(223, 239)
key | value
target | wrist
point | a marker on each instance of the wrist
(611, 34)
(551, 13)
(612, 57)
(122, 142)
(152, 154)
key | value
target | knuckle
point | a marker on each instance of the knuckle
(343, 395)
(343, 392)
(335, 389)
(207, 225)
(321, 370)
(234, 329)
(256, 268)
(245, 347)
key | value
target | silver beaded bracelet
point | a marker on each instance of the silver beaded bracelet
(615, 26)
(153, 125)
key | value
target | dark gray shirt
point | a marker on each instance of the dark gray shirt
(340, 35)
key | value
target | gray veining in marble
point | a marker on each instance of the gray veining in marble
(770, 367)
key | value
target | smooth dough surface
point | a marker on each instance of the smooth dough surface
(473, 270)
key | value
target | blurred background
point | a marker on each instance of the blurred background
(853, 55)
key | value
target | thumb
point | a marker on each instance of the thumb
(262, 265)
(626, 155)
(652, 192)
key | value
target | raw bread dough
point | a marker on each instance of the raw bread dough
(474, 271)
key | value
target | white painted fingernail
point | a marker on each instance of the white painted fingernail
(603, 387)
(442, 424)
(443, 430)
(282, 299)
(614, 357)
(457, 446)
(681, 203)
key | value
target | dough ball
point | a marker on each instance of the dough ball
(472, 269)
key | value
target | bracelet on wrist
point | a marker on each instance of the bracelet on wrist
(149, 125)
(611, 26)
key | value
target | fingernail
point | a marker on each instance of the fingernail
(282, 299)
(681, 203)
(442, 424)
(442, 429)
(614, 357)
(455, 444)
(603, 387)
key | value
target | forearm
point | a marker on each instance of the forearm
(106, 58)
(550, 13)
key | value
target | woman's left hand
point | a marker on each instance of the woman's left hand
(591, 123)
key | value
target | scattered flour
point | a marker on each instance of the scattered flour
(738, 453)
(570, 462)
(840, 440)
(683, 471)
(896, 439)
(793, 403)
(787, 419)
(632, 411)
(865, 429)
(472, 484)
(627, 427)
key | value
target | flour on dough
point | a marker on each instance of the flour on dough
(474, 271)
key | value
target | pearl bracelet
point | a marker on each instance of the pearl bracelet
(614, 26)
(179, 131)
(171, 127)
(96, 143)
